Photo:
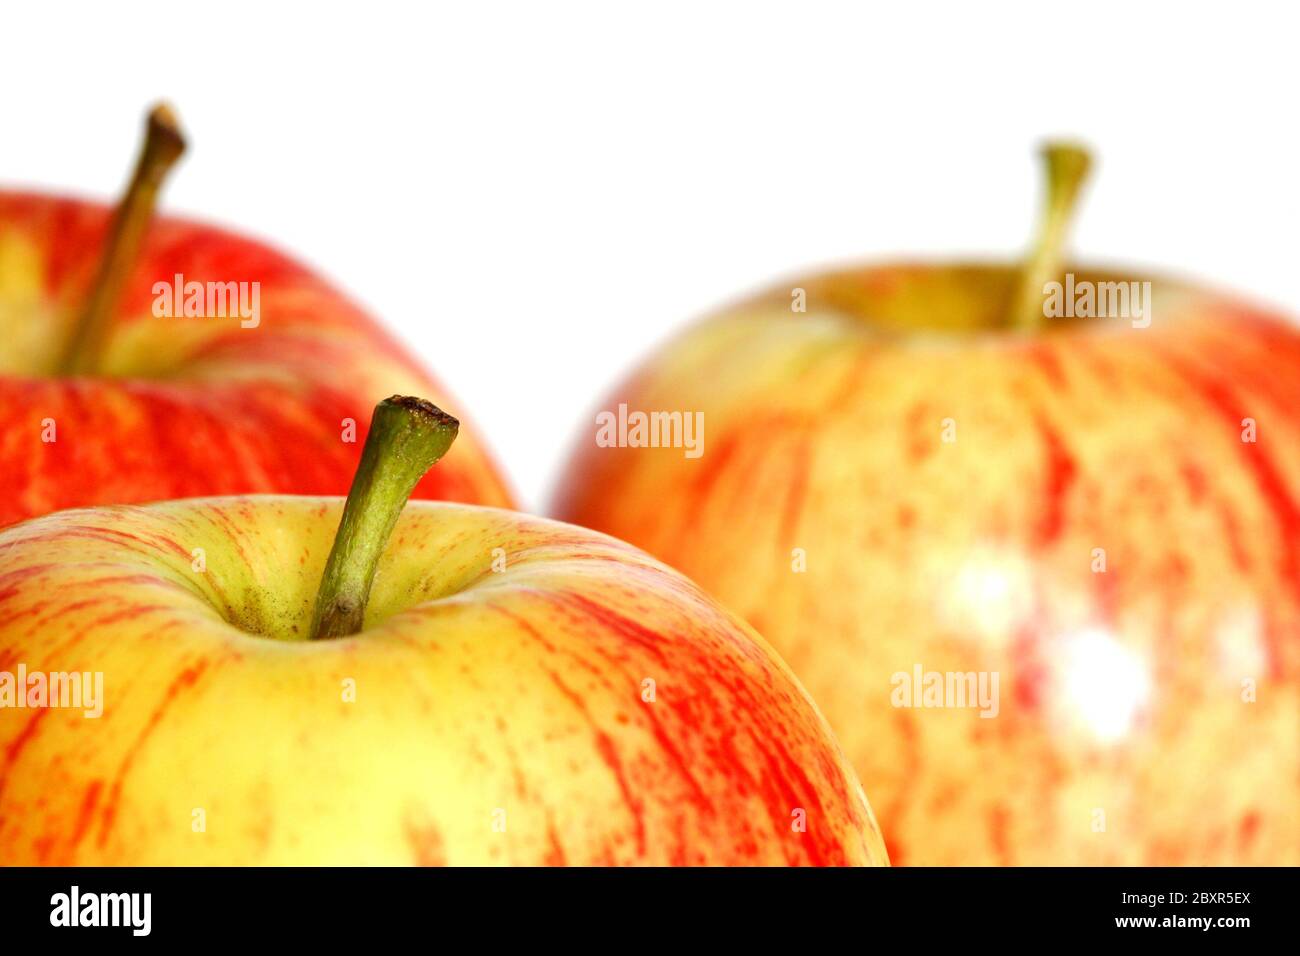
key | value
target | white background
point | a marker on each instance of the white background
(534, 194)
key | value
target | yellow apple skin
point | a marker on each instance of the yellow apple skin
(1149, 712)
(499, 716)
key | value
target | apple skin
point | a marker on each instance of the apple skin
(475, 691)
(1120, 692)
(188, 407)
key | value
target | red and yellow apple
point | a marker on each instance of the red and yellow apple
(1104, 512)
(103, 401)
(511, 690)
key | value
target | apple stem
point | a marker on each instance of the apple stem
(162, 147)
(1066, 165)
(407, 435)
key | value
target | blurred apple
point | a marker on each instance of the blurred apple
(934, 469)
(111, 393)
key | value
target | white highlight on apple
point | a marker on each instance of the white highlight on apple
(1239, 643)
(990, 595)
(1104, 684)
(638, 429)
(60, 689)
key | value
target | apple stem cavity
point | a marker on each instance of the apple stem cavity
(162, 147)
(407, 435)
(1066, 166)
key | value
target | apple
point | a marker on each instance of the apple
(110, 393)
(923, 484)
(489, 687)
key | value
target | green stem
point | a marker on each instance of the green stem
(1067, 167)
(163, 146)
(407, 435)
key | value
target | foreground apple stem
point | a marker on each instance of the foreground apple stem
(407, 435)
(163, 146)
(1066, 165)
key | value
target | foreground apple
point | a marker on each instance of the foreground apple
(514, 690)
(922, 473)
(106, 398)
